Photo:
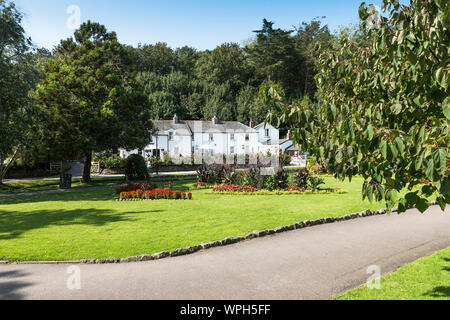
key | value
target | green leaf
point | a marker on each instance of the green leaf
(399, 144)
(440, 160)
(427, 190)
(369, 193)
(441, 202)
(445, 186)
(422, 204)
(411, 198)
(419, 161)
(370, 132)
(383, 148)
(396, 108)
(402, 205)
(429, 168)
(446, 107)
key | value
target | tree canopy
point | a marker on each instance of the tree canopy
(18, 78)
(91, 96)
(383, 108)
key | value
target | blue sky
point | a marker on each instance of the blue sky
(202, 24)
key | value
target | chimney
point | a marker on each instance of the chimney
(251, 123)
(215, 120)
(289, 135)
(175, 119)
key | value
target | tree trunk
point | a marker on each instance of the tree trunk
(4, 167)
(87, 167)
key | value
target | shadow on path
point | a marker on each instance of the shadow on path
(10, 283)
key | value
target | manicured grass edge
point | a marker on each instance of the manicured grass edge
(343, 296)
(224, 242)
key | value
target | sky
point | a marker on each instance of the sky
(202, 24)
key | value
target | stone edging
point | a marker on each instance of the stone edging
(225, 242)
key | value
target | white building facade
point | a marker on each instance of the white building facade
(178, 138)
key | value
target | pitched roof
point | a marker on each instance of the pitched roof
(187, 127)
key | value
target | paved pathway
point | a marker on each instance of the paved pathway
(312, 263)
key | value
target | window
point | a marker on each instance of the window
(177, 150)
(247, 137)
(211, 137)
(171, 136)
(232, 137)
(231, 150)
(267, 133)
(151, 139)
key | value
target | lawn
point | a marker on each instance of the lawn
(91, 224)
(427, 278)
(44, 185)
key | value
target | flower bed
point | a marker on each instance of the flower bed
(155, 194)
(248, 190)
(234, 188)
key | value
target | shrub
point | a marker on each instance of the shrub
(109, 160)
(213, 174)
(155, 164)
(135, 168)
(315, 182)
(301, 178)
(285, 159)
(270, 183)
(281, 179)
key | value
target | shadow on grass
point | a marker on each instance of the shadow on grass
(441, 291)
(14, 223)
(107, 194)
(8, 289)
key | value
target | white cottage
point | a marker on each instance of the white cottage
(185, 137)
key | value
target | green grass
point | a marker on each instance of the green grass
(44, 185)
(91, 224)
(427, 278)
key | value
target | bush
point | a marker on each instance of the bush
(109, 160)
(155, 164)
(301, 178)
(213, 174)
(281, 179)
(285, 159)
(135, 168)
(315, 182)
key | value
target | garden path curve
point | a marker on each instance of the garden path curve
(312, 263)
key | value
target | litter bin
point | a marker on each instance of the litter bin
(65, 181)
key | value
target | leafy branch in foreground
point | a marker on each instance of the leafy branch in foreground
(384, 105)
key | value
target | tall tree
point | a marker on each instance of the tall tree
(308, 35)
(18, 77)
(384, 111)
(158, 58)
(274, 57)
(91, 96)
